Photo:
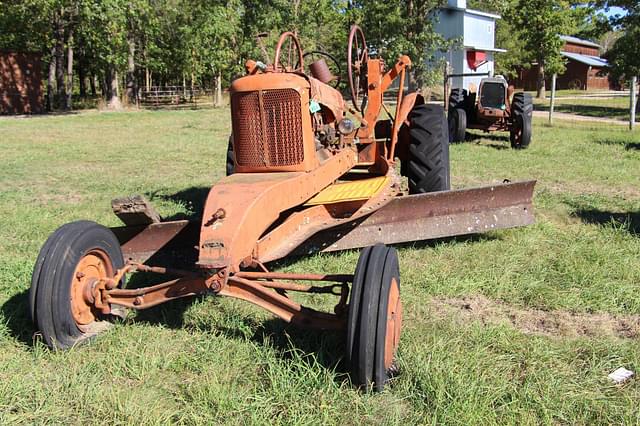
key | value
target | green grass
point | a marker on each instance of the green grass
(212, 360)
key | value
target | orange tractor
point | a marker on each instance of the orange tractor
(308, 173)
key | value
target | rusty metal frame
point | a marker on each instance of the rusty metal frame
(281, 305)
(256, 216)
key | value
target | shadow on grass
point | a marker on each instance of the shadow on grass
(40, 115)
(628, 146)
(496, 137)
(15, 312)
(192, 198)
(632, 145)
(311, 247)
(587, 110)
(290, 341)
(628, 220)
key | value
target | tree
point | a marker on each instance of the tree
(624, 56)
(128, 42)
(538, 25)
(213, 40)
(400, 27)
(507, 36)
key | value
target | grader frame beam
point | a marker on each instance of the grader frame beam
(403, 219)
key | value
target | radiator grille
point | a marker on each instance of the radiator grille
(267, 128)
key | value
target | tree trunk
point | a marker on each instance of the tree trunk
(184, 86)
(69, 88)
(111, 81)
(219, 90)
(60, 69)
(131, 71)
(413, 84)
(51, 81)
(541, 94)
(92, 83)
(82, 80)
(638, 101)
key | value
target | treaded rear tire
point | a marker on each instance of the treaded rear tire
(457, 98)
(230, 157)
(522, 103)
(428, 163)
(522, 116)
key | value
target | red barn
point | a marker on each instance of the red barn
(20, 83)
(585, 69)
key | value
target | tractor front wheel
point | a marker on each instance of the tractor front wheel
(71, 262)
(427, 167)
(375, 318)
(457, 125)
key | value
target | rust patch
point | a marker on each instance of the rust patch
(557, 323)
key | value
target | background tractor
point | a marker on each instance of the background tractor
(306, 173)
(493, 108)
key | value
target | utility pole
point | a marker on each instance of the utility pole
(632, 103)
(553, 97)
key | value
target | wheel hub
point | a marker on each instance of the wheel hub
(93, 267)
(394, 324)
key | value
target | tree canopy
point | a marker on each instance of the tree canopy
(125, 44)
(624, 56)
(172, 41)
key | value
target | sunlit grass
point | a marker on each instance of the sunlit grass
(210, 360)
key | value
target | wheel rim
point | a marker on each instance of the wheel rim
(294, 43)
(357, 66)
(92, 267)
(394, 324)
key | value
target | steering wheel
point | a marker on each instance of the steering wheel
(357, 57)
(294, 43)
(334, 65)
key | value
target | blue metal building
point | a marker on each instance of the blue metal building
(475, 31)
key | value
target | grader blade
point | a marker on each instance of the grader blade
(433, 215)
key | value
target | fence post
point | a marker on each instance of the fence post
(446, 86)
(632, 103)
(553, 97)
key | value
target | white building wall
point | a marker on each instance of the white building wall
(479, 31)
(475, 81)
(473, 30)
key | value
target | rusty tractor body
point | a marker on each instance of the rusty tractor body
(307, 172)
(494, 108)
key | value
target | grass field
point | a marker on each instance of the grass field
(518, 326)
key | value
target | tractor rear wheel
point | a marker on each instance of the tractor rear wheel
(522, 104)
(375, 318)
(522, 115)
(457, 98)
(457, 125)
(427, 167)
(520, 134)
(69, 264)
(230, 157)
